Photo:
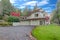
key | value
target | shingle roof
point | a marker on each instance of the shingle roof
(31, 12)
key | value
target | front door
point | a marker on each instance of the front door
(41, 23)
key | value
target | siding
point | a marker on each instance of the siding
(32, 22)
(40, 15)
(35, 22)
(24, 23)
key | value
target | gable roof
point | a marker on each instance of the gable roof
(34, 11)
(31, 12)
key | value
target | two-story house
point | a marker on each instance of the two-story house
(36, 17)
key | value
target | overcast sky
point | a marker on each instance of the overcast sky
(47, 5)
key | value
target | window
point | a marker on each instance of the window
(36, 15)
(24, 17)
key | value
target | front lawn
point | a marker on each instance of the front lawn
(49, 32)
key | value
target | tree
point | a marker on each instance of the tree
(18, 11)
(35, 7)
(56, 16)
(0, 8)
(58, 11)
(7, 7)
(25, 11)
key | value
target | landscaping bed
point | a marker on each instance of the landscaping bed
(47, 32)
(6, 24)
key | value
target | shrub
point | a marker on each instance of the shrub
(13, 19)
(6, 24)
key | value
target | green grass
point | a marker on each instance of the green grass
(49, 32)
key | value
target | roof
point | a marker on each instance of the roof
(31, 12)
(33, 19)
(36, 10)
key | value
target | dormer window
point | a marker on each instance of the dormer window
(36, 15)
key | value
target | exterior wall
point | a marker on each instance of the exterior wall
(31, 22)
(43, 22)
(24, 23)
(21, 23)
(34, 22)
(16, 23)
(40, 15)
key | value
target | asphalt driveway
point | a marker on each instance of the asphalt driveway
(15, 33)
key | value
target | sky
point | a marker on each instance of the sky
(47, 5)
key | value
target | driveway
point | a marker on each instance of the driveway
(15, 33)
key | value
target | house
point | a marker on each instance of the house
(36, 17)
